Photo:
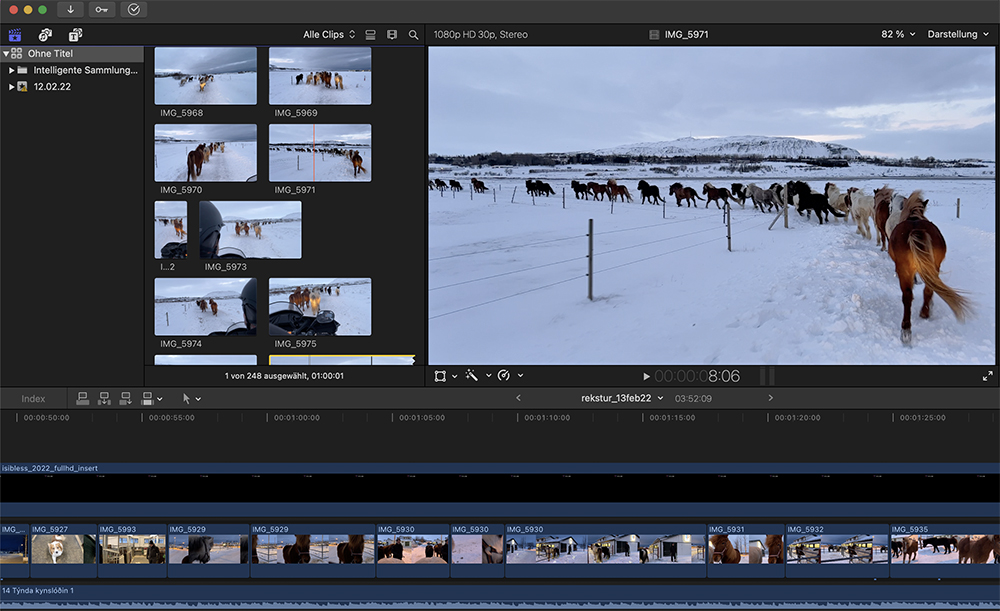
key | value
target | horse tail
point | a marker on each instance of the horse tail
(923, 254)
(190, 167)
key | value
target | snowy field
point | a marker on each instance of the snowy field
(352, 308)
(577, 557)
(632, 558)
(466, 549)
(283, 90)
(224, 89)
(237, 164)
(304, 166)
(186, 318)
(175, 312)
(927, 556)
(508, 280)
(281, 240)
(522, 556)
(165, 234)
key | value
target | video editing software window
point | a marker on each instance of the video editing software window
(647, 303)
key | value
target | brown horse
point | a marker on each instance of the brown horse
(298, 553)
(911, 546)
(617, 191)
(775, 549)
(352, 551)
(687, 193)
(256, 230)
(883, 202)
(338, 81)
(201, 303)
(598, 190)
(714, 194)
(215, 306)
(917, 247)
(723, 550)
(978, 551)
(194, 161)
(356, 160)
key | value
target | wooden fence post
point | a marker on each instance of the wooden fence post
(958, 208)
(513, 194)
(564, 198)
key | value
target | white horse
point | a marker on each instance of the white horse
(314, 297)
(838, 200)
(863, 208)
(895, 210)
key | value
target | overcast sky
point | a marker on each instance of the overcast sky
(197, 287)
(170, 209)
(934, 101)
(205, 60)
(353, 134)
(322, 58)
(209, 132)
(257, 210)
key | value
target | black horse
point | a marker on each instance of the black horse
(579, 188)
(199, 548)
(652, 192)
(810, 201)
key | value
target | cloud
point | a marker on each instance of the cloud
(559, 99)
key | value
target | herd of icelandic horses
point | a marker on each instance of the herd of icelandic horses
(969, 551)
(914, 244)
(199, 156)
(330, 80)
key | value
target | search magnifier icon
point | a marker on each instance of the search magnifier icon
(413, 35)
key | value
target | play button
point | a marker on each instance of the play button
(645, 376)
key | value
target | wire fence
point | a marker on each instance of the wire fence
(735, 227)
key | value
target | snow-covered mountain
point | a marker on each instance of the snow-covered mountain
(733, 146)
